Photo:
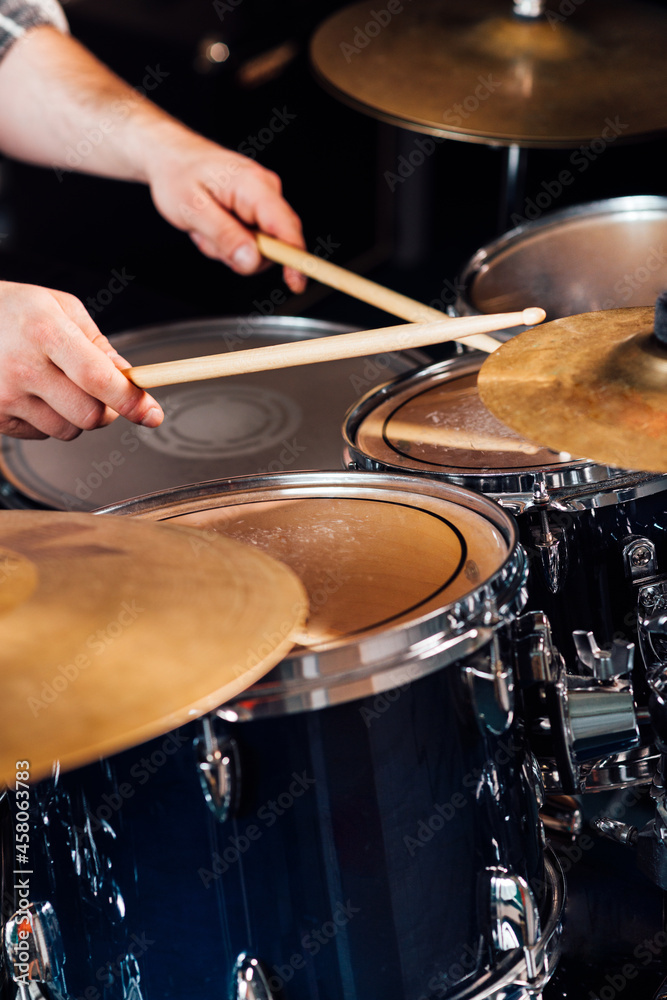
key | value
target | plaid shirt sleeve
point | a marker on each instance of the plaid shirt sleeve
(17, 16)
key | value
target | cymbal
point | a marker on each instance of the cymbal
(115, 631)
(473, 71)
(594, 385)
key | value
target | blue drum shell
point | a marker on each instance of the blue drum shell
(355, 865)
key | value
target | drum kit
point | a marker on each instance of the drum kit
(301, 679)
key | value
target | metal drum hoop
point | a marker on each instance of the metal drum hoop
(578, 485)
(624, 207)
(386, 657)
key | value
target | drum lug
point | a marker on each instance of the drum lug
(550, 547)
(639, 558)
(249, 981)
(490, 682)
(34, 953)
(515, 918)
(219, 768)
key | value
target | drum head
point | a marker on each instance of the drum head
(397, 569)
(433, 421)
(602, 255)
(289, 419)
(416, 427)
(367, 562)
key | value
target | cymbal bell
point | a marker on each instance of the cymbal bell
(477, 72)
(115, 631)
(594, 385)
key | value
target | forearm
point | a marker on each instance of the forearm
(56, 96)
(61, 107)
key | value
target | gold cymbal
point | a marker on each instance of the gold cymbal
(594, 385)
(475, 72)
(114, 631)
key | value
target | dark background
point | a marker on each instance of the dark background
(71, 232)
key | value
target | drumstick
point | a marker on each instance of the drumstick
(340, 346)
(359, 288)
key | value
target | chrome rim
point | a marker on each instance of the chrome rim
(384, 658)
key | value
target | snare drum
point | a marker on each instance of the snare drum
(363, 822)
(581, 523)
(599, 255)
(267, 422)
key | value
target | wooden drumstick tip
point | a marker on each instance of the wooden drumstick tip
(533, 315)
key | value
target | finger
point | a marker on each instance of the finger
(295, 280)
(17, 428)
(219, 235)
(73, 405)
(264, 209)
(36, 414)
(85, 364)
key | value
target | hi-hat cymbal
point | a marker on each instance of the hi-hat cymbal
(474, 71)
(594, 385)
(114, 631)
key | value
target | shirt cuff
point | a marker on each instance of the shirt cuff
(18, 16)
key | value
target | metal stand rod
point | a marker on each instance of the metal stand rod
(513, 186)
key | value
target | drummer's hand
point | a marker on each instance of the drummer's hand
(58, 374)
(218, 196)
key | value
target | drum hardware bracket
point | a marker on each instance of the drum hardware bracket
(510, 977)
(562, 815)
(650, 842)
(550, 544)
(490, 685)
(639, 559)
(249, 981)
(218, 767)
(602, 664)
(35, 962)
(569, 724)
(515, 918)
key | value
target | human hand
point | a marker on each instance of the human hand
(219, 196)
(58, 374)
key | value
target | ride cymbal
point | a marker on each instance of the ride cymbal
(114, 631)
(594, 385)
(476, 72)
